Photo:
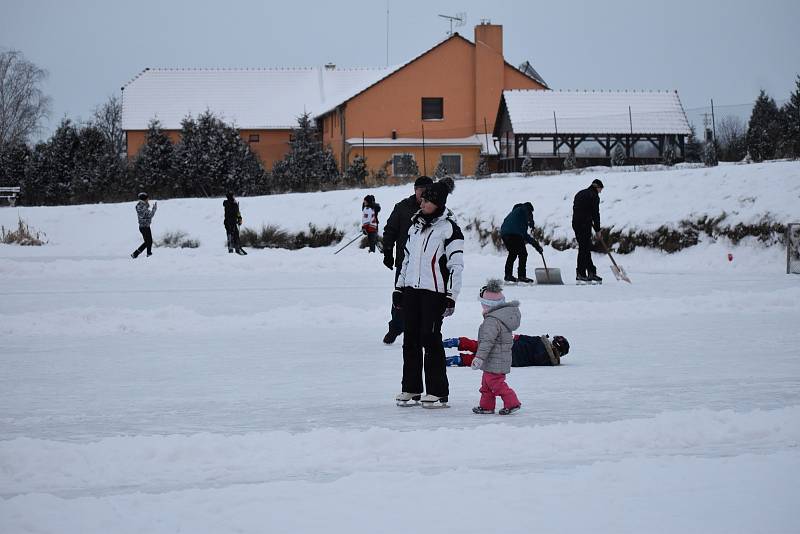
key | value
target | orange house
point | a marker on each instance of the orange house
(439, 106)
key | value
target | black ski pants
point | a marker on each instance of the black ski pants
(232, 229)
(422, 311)
(148, 240)
(515, 244)
(583, 234)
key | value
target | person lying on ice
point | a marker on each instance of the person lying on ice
(526, 350)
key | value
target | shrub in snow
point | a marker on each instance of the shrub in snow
(271, 236)
(618, 156)
(710, 154)
(668, 158)
(177, 240)
(527, 165)
(23, 236)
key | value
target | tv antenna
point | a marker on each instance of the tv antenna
(459, 19)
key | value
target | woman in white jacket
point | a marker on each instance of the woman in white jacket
(426, 291)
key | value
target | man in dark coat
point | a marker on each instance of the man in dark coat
(232, 220)
(585, 217)
(515, 234)
(395, 234)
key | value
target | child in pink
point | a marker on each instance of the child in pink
(495, 339)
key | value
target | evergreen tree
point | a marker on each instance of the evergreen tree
(307, 166)
(693, 147)
(48, 179)
(154, 167)
(710, 154)
(763, 129)
(356, 173)
(94, 172)
(14, 158)
(790, 124)
(527, 165)
(569, 161)
(618, 156)
(440, 171)
(482, 169)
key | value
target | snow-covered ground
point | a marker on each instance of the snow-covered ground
(198, 391)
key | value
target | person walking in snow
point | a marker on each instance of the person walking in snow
(426, 291)
(515, 233)
(500, 319)
(395, 234)
(526, 351)
(232, 220)
(369, 220)
(145, 216)
(585, 216)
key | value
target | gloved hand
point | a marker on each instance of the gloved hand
(363, 230)
(397, 299)
(477, 363)
(599, 235)
(450, 307)
(388, 260)
(538, 247)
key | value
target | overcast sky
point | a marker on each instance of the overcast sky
(726, 50)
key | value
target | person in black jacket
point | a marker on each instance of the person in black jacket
(526, 351)
(395, 234)
(514, 233)
(232, 221)
(585, 216)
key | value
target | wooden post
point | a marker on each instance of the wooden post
(631, 143)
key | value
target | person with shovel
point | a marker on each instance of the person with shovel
(585, 217)
(515, 235)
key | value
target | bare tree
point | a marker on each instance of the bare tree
(108, 119)
(22, 102)
(731, 136)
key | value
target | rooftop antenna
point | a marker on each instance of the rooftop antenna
(459, 18)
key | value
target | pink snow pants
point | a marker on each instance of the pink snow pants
(494, 385)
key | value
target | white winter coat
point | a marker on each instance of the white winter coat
(434, 255)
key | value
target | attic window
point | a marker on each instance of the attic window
(432, 109)
(254, 138)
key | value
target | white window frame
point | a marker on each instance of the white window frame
(460, 162)
(394, 170)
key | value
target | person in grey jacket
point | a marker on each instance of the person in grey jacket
(495, 339)
(145, 216)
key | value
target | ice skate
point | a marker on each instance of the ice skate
(524, 280)
(433, 402)
(594, 279)
(509, 411)
(408, 399)
(510, 280)
(482, 411)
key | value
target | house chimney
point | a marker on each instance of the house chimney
(489, 73)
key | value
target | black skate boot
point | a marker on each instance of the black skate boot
(509, 411)
(524, 280)
(594, 279)
(581, 278)
(510, 279)
(481, 411)
(135, 254)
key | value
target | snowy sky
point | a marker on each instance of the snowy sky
(726, 50)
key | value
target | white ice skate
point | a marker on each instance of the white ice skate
(432, 401)
(408, 399)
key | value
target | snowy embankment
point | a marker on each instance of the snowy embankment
(200, 391)
(637, 201)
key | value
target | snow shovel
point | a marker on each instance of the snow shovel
(619, 272)
(548, 276)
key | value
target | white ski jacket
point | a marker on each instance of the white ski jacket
(434, 255)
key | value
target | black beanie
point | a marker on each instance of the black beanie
(597, 182)
(423, 181)
(437, 193)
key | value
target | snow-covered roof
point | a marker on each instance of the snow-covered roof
(471, 140)
(249, 98)
(596, 112)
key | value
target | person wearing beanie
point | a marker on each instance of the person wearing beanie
(232, 221)
(585, 217)
(493, 357)
(395, 234)
(369, 220)
(426, 290)
(516, 232)
(145, 216)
